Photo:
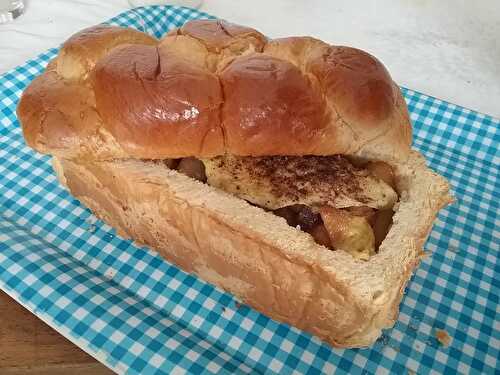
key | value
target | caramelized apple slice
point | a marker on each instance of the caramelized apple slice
(348, 232)
(382, 171)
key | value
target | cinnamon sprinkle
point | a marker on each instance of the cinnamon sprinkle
(294, 177)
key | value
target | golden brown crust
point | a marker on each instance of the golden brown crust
(212, 87)
(212, 44)
(282, 273)
(357, 84)
(80, 53)
(168, 106)
(59, 117)
(266, 100)
(218, 35)
(370, 116)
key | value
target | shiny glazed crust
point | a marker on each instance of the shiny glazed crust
(211, 88)
(283, 273)
(114, 97)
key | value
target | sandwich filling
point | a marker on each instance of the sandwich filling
(340, 204)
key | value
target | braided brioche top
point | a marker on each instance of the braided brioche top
(210, 88)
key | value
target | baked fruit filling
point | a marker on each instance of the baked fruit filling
(341, 203)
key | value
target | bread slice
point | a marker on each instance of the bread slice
(278, 270)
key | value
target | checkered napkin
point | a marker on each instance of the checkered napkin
(139, 314)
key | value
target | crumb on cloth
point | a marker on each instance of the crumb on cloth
(443, 337)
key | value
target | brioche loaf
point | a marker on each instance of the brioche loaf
(115, 102)
(212, 88)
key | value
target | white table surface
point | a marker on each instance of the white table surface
(449, 49)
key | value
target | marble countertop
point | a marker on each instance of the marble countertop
(449, 49)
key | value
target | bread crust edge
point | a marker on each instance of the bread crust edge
(227, 242)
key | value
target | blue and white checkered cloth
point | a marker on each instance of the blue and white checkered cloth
(139, 314)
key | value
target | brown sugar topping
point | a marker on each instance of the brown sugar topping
(280, 181)
(296, 176)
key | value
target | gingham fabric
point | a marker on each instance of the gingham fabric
(139, 314)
